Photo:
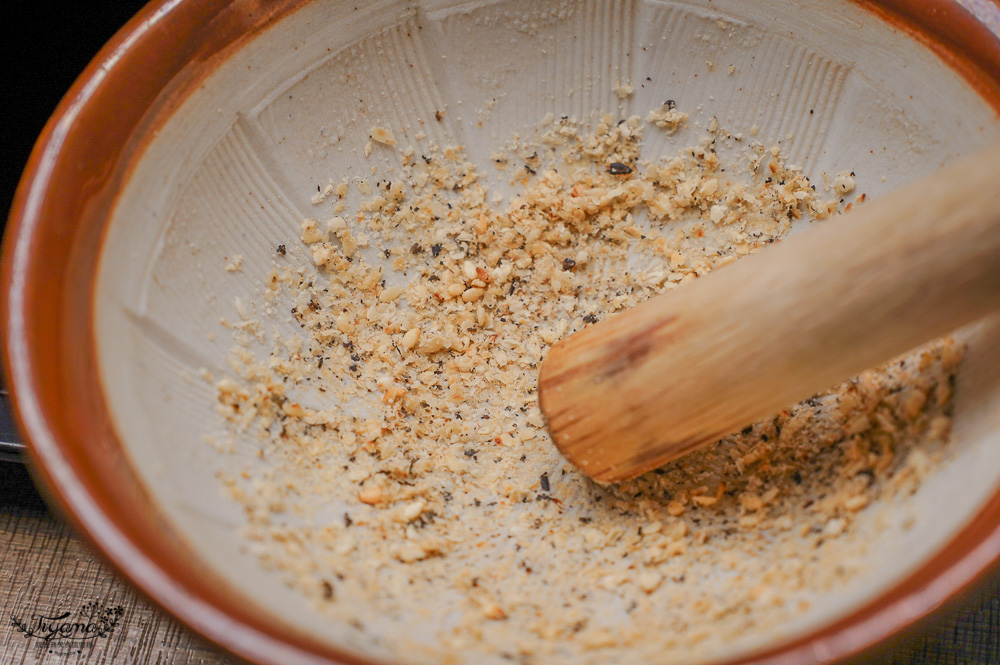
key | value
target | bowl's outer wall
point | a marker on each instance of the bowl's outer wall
(50, 255)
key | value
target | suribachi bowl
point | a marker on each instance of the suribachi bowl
(201, 113)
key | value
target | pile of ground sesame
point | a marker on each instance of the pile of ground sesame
(406, 478)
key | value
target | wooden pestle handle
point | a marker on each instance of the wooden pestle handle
(692, 365)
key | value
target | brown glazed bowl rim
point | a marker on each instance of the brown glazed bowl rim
(54, 234)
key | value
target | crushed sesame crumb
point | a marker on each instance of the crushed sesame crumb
(405, 407)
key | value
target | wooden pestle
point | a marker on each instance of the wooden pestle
(689, 366)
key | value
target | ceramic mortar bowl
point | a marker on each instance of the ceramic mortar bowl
(201, 131)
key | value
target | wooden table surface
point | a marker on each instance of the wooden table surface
(52, 579)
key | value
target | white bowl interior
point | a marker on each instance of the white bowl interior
(234, 170)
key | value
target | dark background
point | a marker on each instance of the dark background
(46, 45)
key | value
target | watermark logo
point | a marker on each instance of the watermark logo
(93, 621)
